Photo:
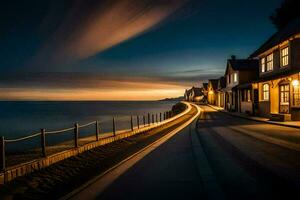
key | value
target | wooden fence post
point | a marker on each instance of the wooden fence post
(138, 121)
(43, 141)
(114, 127)
(76, 133)
(2, 154)
(148, 119)
(97, 130)
(159, 117)
(144, 120)
(156, 118)
(131, 123)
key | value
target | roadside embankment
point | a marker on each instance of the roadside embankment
(64, 176)
(25, 163)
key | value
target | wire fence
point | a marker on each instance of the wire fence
(43, 135)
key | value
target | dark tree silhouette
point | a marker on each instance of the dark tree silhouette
(289, 10)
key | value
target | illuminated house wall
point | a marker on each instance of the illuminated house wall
(212, 91)
(279, 69)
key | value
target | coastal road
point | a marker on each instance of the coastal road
(217, 157)
(251, 160)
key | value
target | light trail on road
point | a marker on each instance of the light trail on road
(216, 157)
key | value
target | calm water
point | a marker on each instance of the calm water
(19, 119)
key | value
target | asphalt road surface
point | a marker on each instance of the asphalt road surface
(217, 157)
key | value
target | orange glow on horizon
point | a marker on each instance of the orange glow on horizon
(88, 94)
(91, 88)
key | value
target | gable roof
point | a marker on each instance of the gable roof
(188, 92)
(214, 83)
(242, 64)
(197, 91)
(205, 86)
(291, 29)
(221, 82)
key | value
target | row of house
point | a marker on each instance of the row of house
(267, 83)
(195, 94)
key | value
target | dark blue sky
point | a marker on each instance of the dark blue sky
(187, 46)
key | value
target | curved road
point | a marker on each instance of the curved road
(217, 157)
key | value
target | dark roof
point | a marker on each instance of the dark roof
(243, 64)
(279, 37)
(188, 92)
(214, 83)
(221, 82)
(205, 86)
(197, 91)
(244, 86)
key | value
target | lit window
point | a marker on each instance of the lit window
(284, 98)
(235, 77)
(270, 62)
(284, 94)
(248, 95)
(296, 96)
(284, 57)
(266, 92)
(263, 64)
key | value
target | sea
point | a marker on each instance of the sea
(23, 118)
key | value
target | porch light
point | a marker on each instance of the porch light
(295, 83)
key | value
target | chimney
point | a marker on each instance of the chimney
(233, 57)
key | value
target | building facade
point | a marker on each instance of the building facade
(221, 92)
(239, 91)
(212, 91)
(279, 67)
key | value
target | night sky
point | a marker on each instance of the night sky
(123, 49)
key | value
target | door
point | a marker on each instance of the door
(284, 99)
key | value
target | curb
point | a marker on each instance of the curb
(211, 186)
(257, 120)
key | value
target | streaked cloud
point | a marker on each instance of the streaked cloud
(94, 26)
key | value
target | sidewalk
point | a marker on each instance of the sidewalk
(293, 124)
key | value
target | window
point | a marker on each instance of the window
(296, 96)
(235, 77)
(284, 57)
(263, 64)
(228, 79)
(266, 92)
(284, 98)
(284, 94)
(247, 95)
(270, 62)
